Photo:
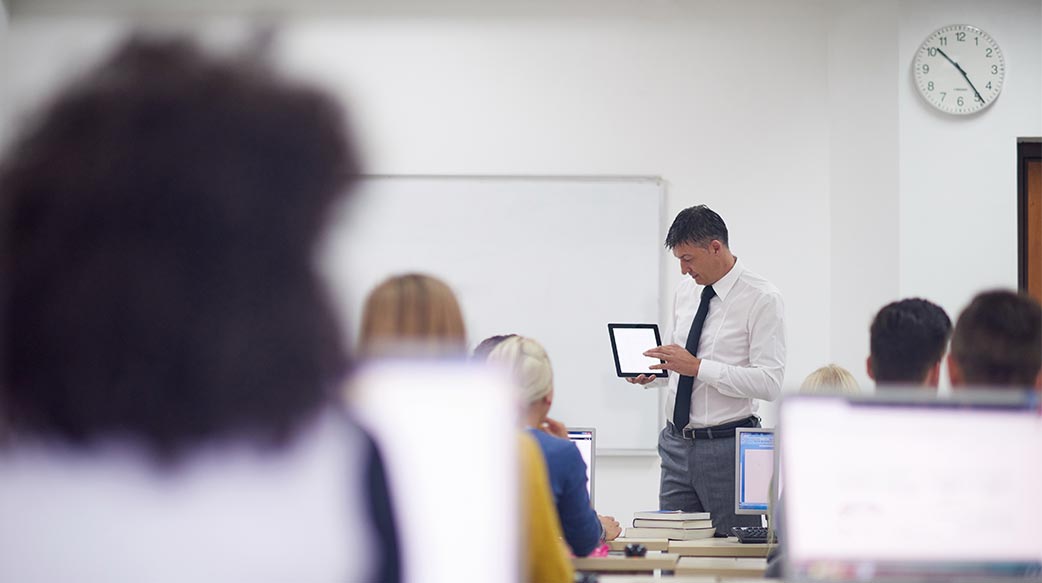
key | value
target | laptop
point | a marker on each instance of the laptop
(585, 438)
(910, 486)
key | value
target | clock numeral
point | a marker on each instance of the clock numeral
(929, 86)
(987, 53)
(943, 95)
(976, 41)
(978, 98)
(960, 36)
(931, 51)
(994, 69)
(959, 101)
(944, 41)
(988, 85)
(926, 68)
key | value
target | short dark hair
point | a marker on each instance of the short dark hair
(908, 337)
(697, 225)
(998, 340)
(157, 228)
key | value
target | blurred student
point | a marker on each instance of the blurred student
(584, 529)
(412, 315)
(830, 379)
(908, 340)
(416, 315)
(169, 358)
(998, 342)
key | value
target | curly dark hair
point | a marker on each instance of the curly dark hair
(998, 340)
(157, 229)
(906, 338)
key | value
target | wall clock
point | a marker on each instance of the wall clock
(959, 69)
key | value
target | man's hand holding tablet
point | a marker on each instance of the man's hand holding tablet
(631, 344)
(641, 379)
(675, 358)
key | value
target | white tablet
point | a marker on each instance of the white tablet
(628, 343)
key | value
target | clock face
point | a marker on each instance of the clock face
(959, 69)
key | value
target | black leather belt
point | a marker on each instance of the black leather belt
(718, 431)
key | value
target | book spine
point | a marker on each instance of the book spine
(685, 524)
(672, 516)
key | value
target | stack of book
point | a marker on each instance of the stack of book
(671, 524)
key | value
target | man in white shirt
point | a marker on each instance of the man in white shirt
(729, 348)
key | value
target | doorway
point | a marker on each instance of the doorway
(1029, 215)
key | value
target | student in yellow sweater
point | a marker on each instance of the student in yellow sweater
(546, 557)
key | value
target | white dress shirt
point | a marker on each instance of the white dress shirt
(742, 346)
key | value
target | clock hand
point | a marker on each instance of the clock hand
(964, 75)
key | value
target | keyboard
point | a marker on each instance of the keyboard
(750, 534)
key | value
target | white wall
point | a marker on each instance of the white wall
(958, 176)
(923, 203)
(863, 134)
(797, 121)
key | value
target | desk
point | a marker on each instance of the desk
(655, 579)
(611, 578)
(718, 547)
(721, 566)
(652, 544)
(650, 562)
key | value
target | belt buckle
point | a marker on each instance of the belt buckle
(688, 433)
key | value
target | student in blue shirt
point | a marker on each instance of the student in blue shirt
(584, 529)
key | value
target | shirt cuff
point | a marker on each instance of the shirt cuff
(710, 372)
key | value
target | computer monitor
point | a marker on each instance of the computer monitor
(753, 469)
(585, 438)
(461, 477)
(913, 486)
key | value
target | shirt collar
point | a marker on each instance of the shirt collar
(724, 285)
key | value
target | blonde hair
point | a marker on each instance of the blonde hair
(530, 365)
(830, 378)
(412, 312)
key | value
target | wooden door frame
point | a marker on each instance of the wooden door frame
(1028, 150)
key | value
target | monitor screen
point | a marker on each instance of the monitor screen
(754, 466)
(432, 481)
(878, 489)
(628, 344)
(583, 438)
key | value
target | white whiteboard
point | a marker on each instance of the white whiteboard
(555, 259)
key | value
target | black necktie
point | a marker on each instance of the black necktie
(682, 408)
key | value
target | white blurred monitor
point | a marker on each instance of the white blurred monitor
(449, 435)
(585, 438)
(754, 467)
(912, 488)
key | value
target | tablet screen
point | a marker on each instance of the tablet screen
(628, 343)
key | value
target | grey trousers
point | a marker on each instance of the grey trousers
(698, 476)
